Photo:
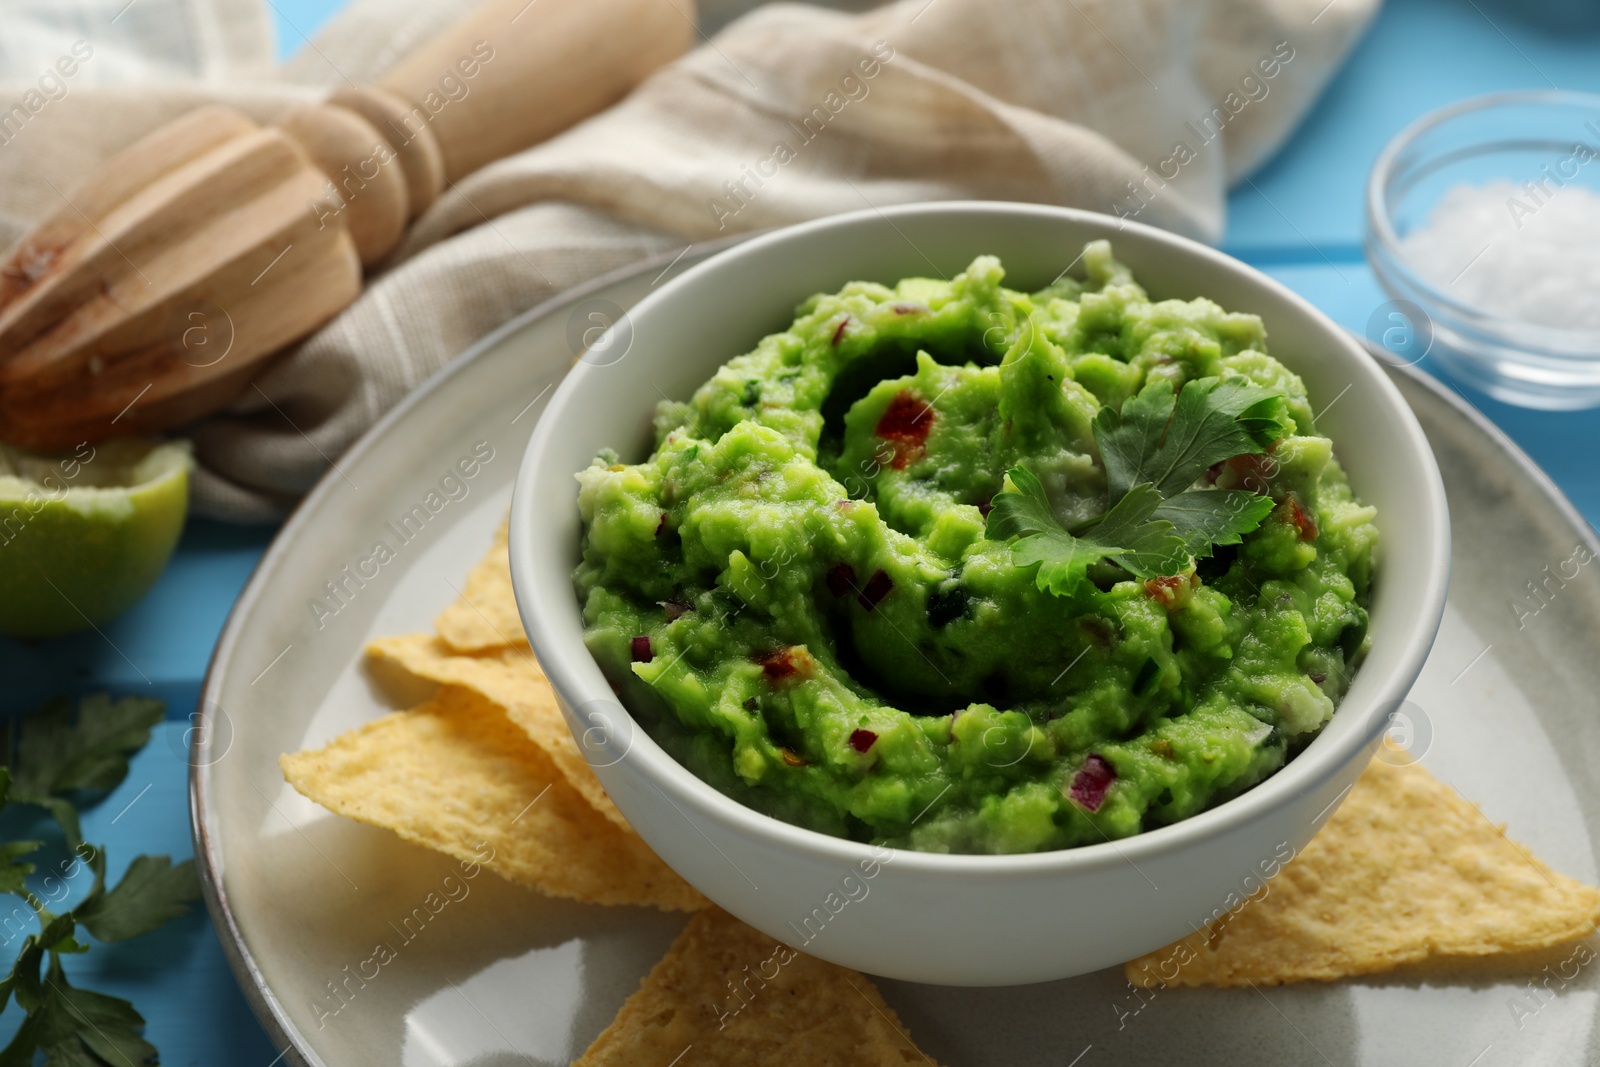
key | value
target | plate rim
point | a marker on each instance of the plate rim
(247, 974)
(1463, 407)
(263, 1001)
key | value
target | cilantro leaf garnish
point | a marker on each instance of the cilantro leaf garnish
(1126, 535)
(1170, 442)
(1154, 450)
(1021, 510)
(51, 759)
(1205, 518)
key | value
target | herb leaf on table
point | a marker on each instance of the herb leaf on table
(52, 753)
(53, 758)
(152, 890)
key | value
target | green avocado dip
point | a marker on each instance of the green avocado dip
(956, 568)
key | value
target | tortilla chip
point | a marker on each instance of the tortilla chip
(712, 992)
(511, 678)
(485, 616)
(1404, 871)
(457, 776)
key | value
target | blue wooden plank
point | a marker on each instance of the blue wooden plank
(1417, 55)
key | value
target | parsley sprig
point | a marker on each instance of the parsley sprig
(54, 760)
(1154, 450)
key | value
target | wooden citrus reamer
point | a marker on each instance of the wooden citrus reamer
(153, 295)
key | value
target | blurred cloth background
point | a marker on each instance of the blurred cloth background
(1144, 108)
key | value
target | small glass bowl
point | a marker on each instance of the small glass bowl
(1551, 138)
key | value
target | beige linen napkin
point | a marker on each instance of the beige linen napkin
(1145, 108)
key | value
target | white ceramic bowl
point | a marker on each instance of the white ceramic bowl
(959, 919)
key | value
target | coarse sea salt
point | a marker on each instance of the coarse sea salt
(1527, 254)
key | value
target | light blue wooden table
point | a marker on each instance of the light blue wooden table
(1299, 219)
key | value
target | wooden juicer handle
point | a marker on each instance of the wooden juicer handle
(155, 294)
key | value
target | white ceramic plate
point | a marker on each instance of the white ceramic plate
(303, 899)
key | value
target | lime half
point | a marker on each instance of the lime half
(85, 533)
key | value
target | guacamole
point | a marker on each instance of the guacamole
(806, 595)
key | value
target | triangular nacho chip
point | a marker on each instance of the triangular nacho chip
(733, 995)
(457, 776)
(1405, 871)
(511, 678)
(485, 616)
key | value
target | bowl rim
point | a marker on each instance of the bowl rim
(1383, 243)
(1316, 764)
